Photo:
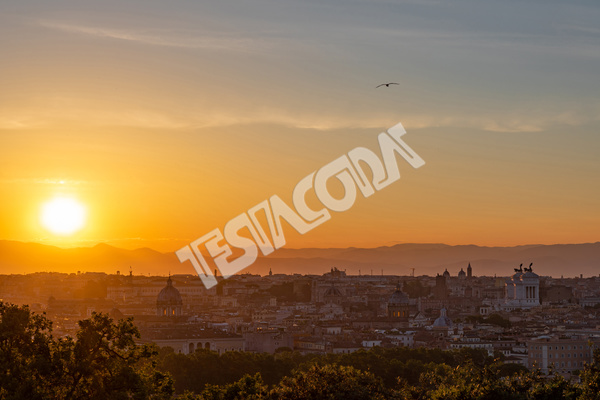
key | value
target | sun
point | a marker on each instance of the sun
(63, 215)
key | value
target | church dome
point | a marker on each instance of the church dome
(333, 292)
(398, 297)
(446, 273)
(443, 321)
(169, 296)
(461, 273)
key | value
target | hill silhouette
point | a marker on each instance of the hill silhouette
(557, 260)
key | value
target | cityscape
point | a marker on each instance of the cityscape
(300, 200)
(526, 319)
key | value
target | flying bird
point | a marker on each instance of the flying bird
(387, 84)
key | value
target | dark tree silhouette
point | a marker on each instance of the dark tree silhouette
(101, 362)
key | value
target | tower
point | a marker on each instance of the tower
(440, 290)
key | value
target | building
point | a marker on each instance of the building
(186, 339)
(268, 341)
(522, 289)
(557, 294)
(564, 355)
(474, 344)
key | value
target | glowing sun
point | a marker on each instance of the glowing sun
(63, 215)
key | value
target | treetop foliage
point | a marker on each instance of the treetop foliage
(101, 362)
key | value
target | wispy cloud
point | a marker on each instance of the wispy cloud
(513, 121)
(516, 121)
(589, 30)
(166, 37)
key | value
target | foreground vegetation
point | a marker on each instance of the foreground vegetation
(103, 362)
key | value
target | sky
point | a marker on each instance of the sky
(167, 119)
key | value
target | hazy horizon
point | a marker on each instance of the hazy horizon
(391, 244)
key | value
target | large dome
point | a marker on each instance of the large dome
(333, 292)
(169, 296)
(398, 297)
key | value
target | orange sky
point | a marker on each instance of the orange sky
(166, 124)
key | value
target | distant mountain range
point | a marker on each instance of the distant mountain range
(567, 260)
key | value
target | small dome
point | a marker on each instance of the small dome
(169, 296)
(443, 321)
(446, 273)
(461, 273)
(398, 297)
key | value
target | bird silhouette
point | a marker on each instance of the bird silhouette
(387, 84)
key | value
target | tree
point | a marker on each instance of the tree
(101, 362)
(590, 379)
(497, 319)
(247, 388)
(25, 353)
(104, 361)
(330, 382)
